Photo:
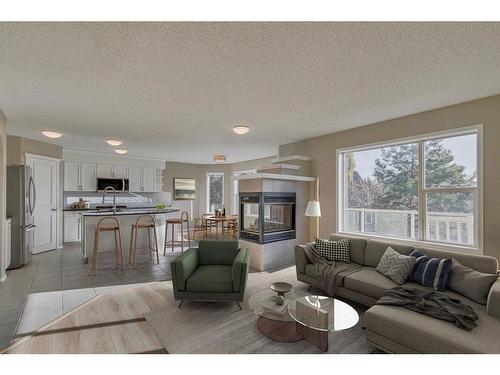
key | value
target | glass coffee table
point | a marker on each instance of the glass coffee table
(316, 316)
(274, 321)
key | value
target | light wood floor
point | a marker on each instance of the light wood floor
(109, 323)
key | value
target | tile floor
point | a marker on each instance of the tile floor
(58, 281)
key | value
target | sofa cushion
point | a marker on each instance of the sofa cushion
(357, 247)
(425, 334)
(211, 278)
(312, 271)
(478, 262)
(472, 284)
(369, 281)
(375, 250)
(430, 272)
(215, 252)
(337, 251)
(396, 266)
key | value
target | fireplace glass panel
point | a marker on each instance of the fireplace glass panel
(251, 217)
(278, 217)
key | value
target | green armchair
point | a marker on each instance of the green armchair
(215, 271)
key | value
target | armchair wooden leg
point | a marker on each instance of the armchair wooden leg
(180, 304)
(239, 305)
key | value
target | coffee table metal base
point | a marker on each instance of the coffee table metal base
(278, 330)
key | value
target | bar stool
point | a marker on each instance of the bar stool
(143, 222)
(183, 219)
(102, 226)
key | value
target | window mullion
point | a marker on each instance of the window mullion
(422, 209)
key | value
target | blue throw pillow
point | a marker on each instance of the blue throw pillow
(431, 272)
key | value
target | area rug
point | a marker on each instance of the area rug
(221, 328)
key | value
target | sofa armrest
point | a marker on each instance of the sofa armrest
(301, 259)
(493, 304)
(240, 269)
(183, 266)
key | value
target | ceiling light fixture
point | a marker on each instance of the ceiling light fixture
(121, 151)
(219, 158)
(52, 134)
(113, 142)
(241, 129)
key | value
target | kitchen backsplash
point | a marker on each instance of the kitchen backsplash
(121, 198)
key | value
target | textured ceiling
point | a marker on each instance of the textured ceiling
(174, 90)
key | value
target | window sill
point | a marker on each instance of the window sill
(416, 243)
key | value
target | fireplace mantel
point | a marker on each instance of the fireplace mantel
(274, 176)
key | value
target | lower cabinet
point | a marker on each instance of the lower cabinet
(72, 227)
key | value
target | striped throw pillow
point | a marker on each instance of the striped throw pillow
(431, 272)
(337, 251)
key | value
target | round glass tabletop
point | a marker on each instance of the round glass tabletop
(323, 313)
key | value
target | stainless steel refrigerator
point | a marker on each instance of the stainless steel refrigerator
(21, 200)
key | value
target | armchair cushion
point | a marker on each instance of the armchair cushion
(184, 265)
(240, 268)
(211, 278)
(218, 252)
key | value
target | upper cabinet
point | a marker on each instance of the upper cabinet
(112, 171)
(82, 176)
(79, 176)
(142, 179)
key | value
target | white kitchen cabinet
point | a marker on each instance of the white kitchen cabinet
(112, 171)
(79, 176)
(104, 170)
(72, 227)
(120, 171)
(135, 179)
(88, 177)
(8, 238)
(148, 179)
(142, 180)
(71, 176)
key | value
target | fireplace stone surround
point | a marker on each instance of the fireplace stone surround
(276, 253)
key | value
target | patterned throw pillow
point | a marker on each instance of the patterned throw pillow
(396, 266)
(337, 251)
(431, 272)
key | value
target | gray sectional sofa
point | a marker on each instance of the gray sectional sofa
(396, 329)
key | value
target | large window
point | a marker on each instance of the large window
(425, 189)
(215, 191)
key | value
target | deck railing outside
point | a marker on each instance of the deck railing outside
(440, 226)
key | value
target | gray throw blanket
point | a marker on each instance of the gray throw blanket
(332, 274)
(431, 303)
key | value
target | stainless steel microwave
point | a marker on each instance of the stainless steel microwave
(119, 184)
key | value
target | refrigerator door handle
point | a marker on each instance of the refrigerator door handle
(32, 188)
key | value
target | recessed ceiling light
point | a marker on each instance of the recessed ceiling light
(113, 142)
(219, 158)
(51, 134)
(121, 151)
(241, 129)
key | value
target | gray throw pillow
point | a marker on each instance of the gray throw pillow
(472, 284)
(396, 266)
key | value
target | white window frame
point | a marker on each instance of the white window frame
(422, 190)
(207, 180)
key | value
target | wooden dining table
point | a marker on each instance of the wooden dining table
(221, 220)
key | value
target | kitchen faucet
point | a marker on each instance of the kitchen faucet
(106, 190)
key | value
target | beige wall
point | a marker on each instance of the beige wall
(18, 146)
(199, 171)
(484, 111)
(3, 164)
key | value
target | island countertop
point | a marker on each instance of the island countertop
(128, 211)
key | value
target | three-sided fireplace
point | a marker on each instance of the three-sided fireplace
(267, 217)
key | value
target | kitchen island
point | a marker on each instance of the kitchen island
(126, 218)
